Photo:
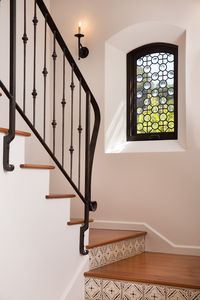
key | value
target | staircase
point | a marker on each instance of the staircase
(121, 269)
(55, 89)
(39, 256)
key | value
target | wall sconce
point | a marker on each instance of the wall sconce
(82, 51)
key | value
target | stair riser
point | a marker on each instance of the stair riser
(107, 254)
(99, 289)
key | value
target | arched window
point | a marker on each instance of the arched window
(152, 92)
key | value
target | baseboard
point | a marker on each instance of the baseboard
(155, 241)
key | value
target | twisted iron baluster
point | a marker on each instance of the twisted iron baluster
(25, 40)
(34, 93)
(45, 73)
(54, 123)
(63, 112)
(71, 149)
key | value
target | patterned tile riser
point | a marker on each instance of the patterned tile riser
(110, 253)
(99, 289)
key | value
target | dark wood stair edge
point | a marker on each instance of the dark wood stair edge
(35, 166)
(146, 281)
(60, 196)
(17, 132)
(111, 241)
(77, 221)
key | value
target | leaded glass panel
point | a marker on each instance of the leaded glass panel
(152, 92)
(155, 93)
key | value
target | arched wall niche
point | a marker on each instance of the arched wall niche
(116, 49)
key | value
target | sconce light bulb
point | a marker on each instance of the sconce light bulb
(79, 27)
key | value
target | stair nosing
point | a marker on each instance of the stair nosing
(35, 166)
(61, 196)
(78, 222)
(17, 132)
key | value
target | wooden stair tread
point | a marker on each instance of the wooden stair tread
(76, 221)
(100, 237)
(35, 166)
(155, 268)
(60, 196)
(17, 132)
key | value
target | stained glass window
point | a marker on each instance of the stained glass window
(152, 92)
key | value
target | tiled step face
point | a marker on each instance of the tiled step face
(100, 289)
(106, 254)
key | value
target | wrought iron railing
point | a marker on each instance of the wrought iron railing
(85, 135)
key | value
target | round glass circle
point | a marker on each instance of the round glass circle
(155, 109)
(155, 59)
(171, 91)
(147, 85)
(147, 69)
(139, 94)
(163, 67)
(171, 108)
(163, 117)
(170, 57)
(171, 74)
(139, 78)
(155, 93)
(147, 118)
(146, 101)
(139, 126)
(171, 125)
(139, 111)
(139, 62)
(163, 83)
(155, 76)
(155, 126)
(163, 100)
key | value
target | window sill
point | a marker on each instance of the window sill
(147, 146)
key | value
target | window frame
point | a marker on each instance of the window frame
(132, 57)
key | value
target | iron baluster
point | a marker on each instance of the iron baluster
(63, 113)
(25, 40)
(45, 73)
(54, 123)
(34, 93)
(71, 149)
(79, 135)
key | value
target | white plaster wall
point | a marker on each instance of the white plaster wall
(39, 254)
(160, 189)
